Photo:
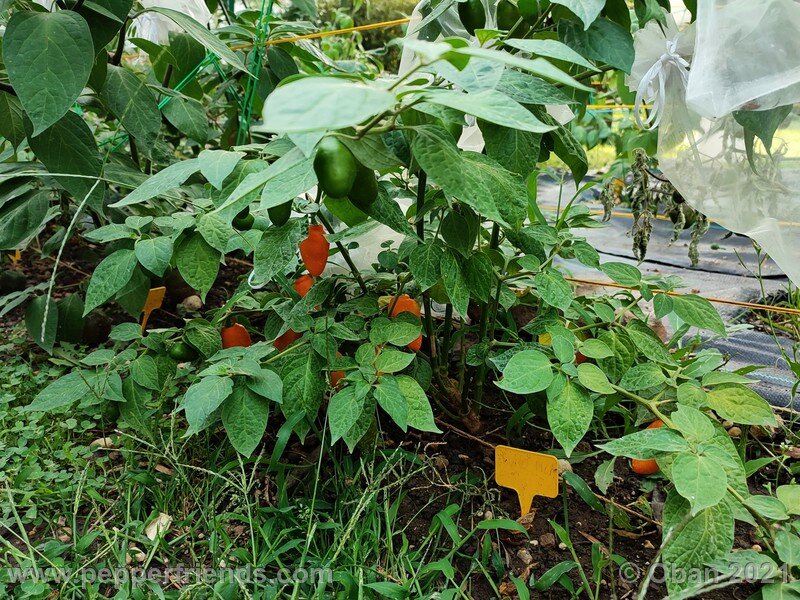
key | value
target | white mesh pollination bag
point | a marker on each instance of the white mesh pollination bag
(749, 185)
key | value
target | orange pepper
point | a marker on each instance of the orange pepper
(303, 284)
(314, 250)
(285, 340)
(647, 466)
(235, 336)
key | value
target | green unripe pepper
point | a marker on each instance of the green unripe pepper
(280, 214)
(365, 187)
(335, 167)
(472, 15)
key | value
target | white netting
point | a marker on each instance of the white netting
(748, 56)
(706, 158)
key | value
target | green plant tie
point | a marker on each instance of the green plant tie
(255, 61)
(120, 139)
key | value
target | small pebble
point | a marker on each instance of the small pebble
(727, 424)
(735, 432)
(564, 466)
(755, 547)
(524, 556)
(548, 540)
(648, 544)
(440, 462)
(488, 515)
(562, 546)
(192, 303)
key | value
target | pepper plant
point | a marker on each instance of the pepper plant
(335, 155)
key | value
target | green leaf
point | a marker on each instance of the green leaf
(203, 337)
(593, 378)
(198, 263)
(392, 361)
(266, 383)
(527, 89)
(569, 413)
(538, 66)
(489, 105)
(154, 254)
(594, 348)
(642, 377)
(550, 48)
(704, 538)
(344, 410)
(761, 124)
(131, 101)
(699, 312)
(12, 119)
(694, 425)
(275, 250)
(288, 184)
(399, 331)
(455, 283)
(105, 19)
(515, 150)
(188, 116)
(479, 275)
(603, 41)
(787, 545)
(22, 218)
(202, 35)
(586, 10)
(622, 273)
(527, 372)
(320, 103)
(790, 496)
(214, 230)
(740, 404)
(475, 179)
(604, 476)
(72, 387)
(372, 152)
(648, 343)
(69, 146)
(42, 331)
(553, 288)
(425, 263)
(420, 414)
(244, 416)
(303, 386)
(647, 443)
(70, 319)
(145, 372)
(48, 56)
(134, 411)
(699, 479)
(768, 507)
(616, 366)
(163, 181)
(109, 277)
(216, 165)
(203, 398)
(390, 398)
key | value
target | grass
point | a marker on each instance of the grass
(368, 524)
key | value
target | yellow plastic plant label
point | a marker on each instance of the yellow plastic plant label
(15, 257)
(529, 473)
(155, 297)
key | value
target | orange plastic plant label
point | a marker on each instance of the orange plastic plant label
(15, 257)
(529, 473)
(155, 297)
